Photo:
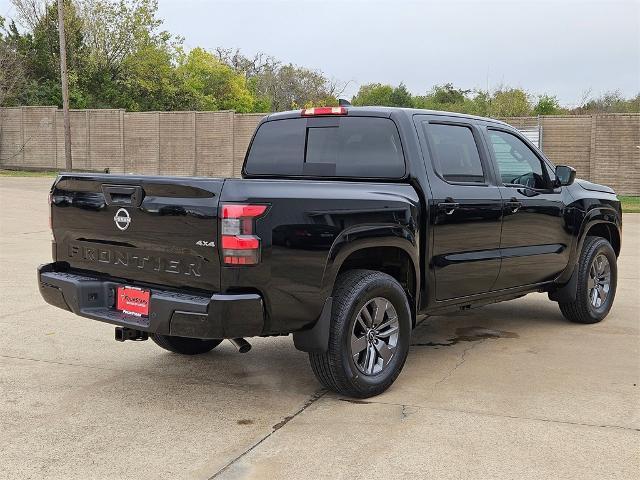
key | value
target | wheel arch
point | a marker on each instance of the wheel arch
(606, 230)
(394, 256)
(599, 223)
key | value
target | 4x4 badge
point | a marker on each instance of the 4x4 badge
(122, 219)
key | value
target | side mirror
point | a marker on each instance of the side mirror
(565, 175)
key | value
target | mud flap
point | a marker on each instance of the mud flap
(316, 339)
(567, 292)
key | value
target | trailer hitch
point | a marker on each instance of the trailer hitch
(124, 333)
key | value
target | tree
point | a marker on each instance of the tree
(400, 97)
(510, 102)
(547, 105)
(12, 71)
(29, 12)
(446, 97)
(212, 84)
(41, 53)
(148, 82)
(373, 94)
(609, 102)
(119, 56)
(383, 95)
(277, 86)
(116, 29)
(117, 34)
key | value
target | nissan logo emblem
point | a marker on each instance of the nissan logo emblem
(122, 219)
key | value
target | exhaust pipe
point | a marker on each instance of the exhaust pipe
(124, 333)
(241, 344)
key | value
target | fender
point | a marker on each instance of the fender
(601, 214)
(568, 279)
(316, 339)
(367, 236)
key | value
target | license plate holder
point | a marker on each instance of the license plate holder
(133, 300)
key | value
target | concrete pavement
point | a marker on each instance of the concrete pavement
(507, 391)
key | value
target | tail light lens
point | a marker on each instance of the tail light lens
(240, 246)
(50, 200)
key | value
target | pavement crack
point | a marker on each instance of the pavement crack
(20, 312)
(488, 414)
(404, 412)
(15, 357)
(459, 363)
(310, 401)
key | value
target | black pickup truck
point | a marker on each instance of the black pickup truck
(347, 226)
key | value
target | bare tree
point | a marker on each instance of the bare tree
(259, 64)
(29, 12)
(284, 85)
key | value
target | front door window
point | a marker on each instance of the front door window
(517, 164)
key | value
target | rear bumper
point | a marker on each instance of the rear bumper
(170, 313)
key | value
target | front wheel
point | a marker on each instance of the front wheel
(369, 335)
(597, 279)
(184, 345)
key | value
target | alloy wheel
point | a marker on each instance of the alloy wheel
(374, 338)
(599, 282)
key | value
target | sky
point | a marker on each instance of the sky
(565, 47)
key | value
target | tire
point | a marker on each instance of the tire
(184, 345)
(359, 375)
(583, 309)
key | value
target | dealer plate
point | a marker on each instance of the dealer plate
(133, 301)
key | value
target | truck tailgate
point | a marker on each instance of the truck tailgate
(156, 230)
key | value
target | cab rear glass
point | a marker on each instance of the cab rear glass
(366, 147)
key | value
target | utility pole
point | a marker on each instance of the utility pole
(65, 87)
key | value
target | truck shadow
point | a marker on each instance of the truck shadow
(274, 365)
(505, 320)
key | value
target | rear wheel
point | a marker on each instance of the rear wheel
(369, 336)
(184, 345)
(597, 279)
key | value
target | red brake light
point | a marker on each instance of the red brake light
(50, 200)
(239, 245)
(239, 211)
(311, 112)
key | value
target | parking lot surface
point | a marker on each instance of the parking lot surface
(507, 391)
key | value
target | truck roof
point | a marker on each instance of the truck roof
(387, 111)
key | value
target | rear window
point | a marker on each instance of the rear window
(328, 147)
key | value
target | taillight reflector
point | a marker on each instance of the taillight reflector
(240, 242)
(311, 112)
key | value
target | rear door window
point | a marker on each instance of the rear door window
(455, 152)
(366, 147)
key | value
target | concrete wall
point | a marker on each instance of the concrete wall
(152, 143)
(603, 148)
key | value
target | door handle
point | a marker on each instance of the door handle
(124, 195)
(513, 205)
(448, 207)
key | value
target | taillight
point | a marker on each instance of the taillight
(312, 112)
(240, 246)
(50, 208)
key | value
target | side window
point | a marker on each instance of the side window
(455, 152)
(517, 164)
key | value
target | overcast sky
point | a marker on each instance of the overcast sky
(562, 47)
